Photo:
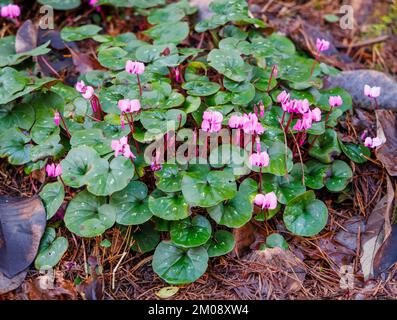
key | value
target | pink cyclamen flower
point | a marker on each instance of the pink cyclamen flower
(299, 106)
(305, 123)
(259, 159)
(129, 106)
(93, 3)
(371, 92)
(372, 142)
(322, 45)
(212, 121)
(122, 147)
(80, 86)
(316, 114)
(335, 101)
(88, 93)
(266, 201)
(236, 122)
(53, 170)
(364, 134)
(252, 125)
(134, 67)
(57, 118)
(283, 97)
(11, 11)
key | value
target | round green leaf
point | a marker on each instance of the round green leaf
(305, 215)
(61, 4)
(52, 195)
(169, 206)
(105, 179)
(276, 240)
(285, 187)
(51, 250)
(201, 88)
(77, 166)
(168, 32)
(14, 145)
(113, 58)
(161, 121)
(230, 156)
(315, 173)
(238, 211)
(340, 176)
(221, 243)
(16, 116)
(177, 265)
(190, 232)
(131, 204)
(322, 98)
(169, 178)
(295, 69)
(208, 189)
(229, 63)
(88, 215)
(355, 152)
(79, 33)
(326, 146)
(145, 238)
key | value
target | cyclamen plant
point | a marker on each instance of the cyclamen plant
(232, 131)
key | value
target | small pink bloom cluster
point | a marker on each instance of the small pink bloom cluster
(371, 92)
(266, 201)
(11, 11)
(335, 101)
(93, 3)
(248, 122)
(86, 91)
(129, 106)
(122, 147)
(212, 121)
(322, 45)
(53, 170)
(134, 67)
(372, 142)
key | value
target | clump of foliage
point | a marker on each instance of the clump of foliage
(184, 211)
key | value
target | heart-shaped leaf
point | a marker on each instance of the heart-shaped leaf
(322, 98)
(51, 250)
(355, 152)
(131, 204)
(190, 232)
(230, 156)
(276, 240)
(79, 33)
(305, 215)
(238, 211)
(285, 187)
(106, 178)
(145, 238)
(162, 121)
(177, 265)
(61, 4)
(201, 88)
(169, 178)
(221, 243)
(229, 63)
(88, 215)
(16, 116)
(14, 145)
(315, 173)
(113, 58)
(52, 195)
(207, 189)
(339, 177)
(171, 206)
(326, 146)
(168, 32)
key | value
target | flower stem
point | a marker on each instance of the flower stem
(270, 80)
(131, 125)
(282, 119)
(314, 64)
(376, 104)
(327, 116)
(291, 116)
(260, 179)
(139, 85)
(64, 124)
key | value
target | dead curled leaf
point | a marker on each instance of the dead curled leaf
(167, 292)
(378, 228)
(387, 132)
(22, 224)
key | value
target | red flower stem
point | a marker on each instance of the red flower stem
(327, 116)
(252, 143)
(131, 125)
(64, 124)
(260, 179)
(63, 182)
(139, 85)
(133, 164)
(291, 116)
(270, 80)
(376, 104)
